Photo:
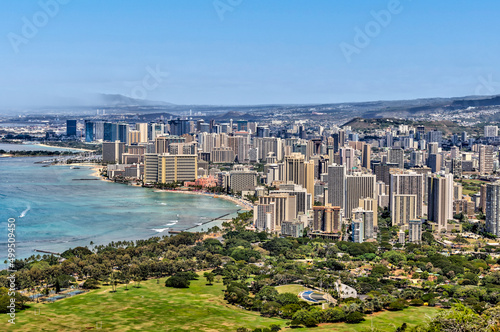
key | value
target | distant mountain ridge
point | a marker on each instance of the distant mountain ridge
(121, 100)
(370, 109)
(119, 104)
(415, 105)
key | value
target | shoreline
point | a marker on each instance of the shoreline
(96, 168)
(247, 206)
(93, 170)
(64, 148)
(10, 155)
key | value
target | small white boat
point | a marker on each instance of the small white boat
(74, 167)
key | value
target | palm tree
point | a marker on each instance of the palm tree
(125, 279)
(137, 280)
(113, 281)
(368, 307)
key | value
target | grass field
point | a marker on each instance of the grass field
(383, 321)
(471, 187)
(153, 307)
(296, 289)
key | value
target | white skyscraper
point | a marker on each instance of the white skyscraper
(490, 131)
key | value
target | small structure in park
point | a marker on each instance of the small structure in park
(345, 291)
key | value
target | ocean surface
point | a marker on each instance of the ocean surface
(55, 210)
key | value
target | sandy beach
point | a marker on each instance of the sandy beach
(96, 168)
(97, 171)
(63, 148)
(247, 206)
(244, 204)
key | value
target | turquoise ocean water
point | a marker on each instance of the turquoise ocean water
(55, 210)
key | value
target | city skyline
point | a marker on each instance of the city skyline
(250, 166)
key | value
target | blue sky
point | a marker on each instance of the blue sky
(253, 52)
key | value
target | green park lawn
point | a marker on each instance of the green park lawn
(382, 321)
(471, 187)
(153, 307)
(292, 288)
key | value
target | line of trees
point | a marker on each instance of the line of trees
(251, 264)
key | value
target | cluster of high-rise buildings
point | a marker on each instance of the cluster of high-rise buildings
(328, 181)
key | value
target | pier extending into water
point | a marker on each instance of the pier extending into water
(201, 224)
(47, 252)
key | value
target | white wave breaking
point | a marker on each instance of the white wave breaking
(159, 230)
(172, 222)
(23, 214)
